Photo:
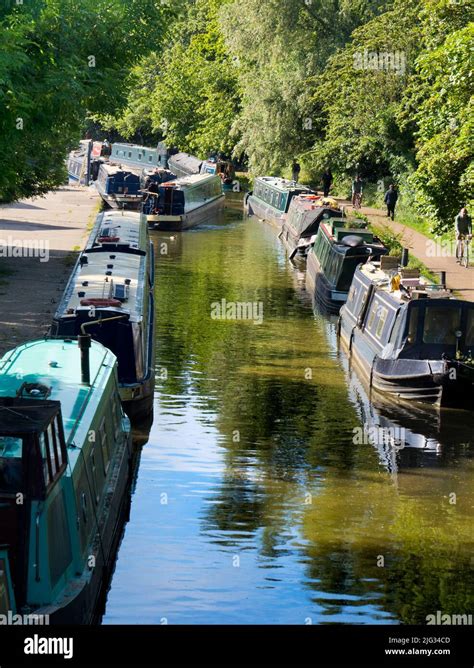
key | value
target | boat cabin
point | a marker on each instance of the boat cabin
(277, 192)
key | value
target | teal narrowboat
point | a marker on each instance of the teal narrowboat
(271, 197)
(142, 157)
(65, 460)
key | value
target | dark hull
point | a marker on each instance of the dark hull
(80, 602)
(325, 297)
(428, 381)
(188, 220)
(139, 410)
(255, 207)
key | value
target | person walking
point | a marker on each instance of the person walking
(295, 171)
(390, 199)
(357, 189)
(327, 182)
(463, 230)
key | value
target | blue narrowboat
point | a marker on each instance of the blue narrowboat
(338, 249)
(65, 464)
(110, 295)
(271, 198)
(184, 203)
(119, 187)
(412, 341)
(83, 163)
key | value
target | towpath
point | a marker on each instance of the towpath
(39, 240)
(434, 256)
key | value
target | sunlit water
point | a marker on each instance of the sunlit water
(254, 502)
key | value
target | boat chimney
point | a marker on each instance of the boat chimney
(404, 261)
(442, 279)
(84, 341)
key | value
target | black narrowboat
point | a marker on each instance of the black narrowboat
(411, 340)
(333, 259)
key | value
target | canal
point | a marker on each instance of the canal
(271, 490)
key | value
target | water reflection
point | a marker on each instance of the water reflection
(253, 504)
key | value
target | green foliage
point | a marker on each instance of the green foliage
(59, 59)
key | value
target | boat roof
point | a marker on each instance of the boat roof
(100, 278)
(186, 161)
(115, 168)
(19, 415)
(190, 181)
(128, 229)
(56, 363)
(282, 184)
(412, 285)
(311, 201)
(339, 234)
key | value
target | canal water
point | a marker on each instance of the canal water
(271, 490)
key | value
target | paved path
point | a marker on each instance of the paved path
(435, 257)
(51, 227)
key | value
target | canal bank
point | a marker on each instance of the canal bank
(38, 240)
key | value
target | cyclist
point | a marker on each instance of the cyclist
(463, 229)
(357, 192)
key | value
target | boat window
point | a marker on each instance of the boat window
(46, 457)
(104, 443)
(373, 312)
(413, 325)
(381, 322)
(93, 473)
(10, 464)
(469, 339)
(150, 158)
(440, 324)
(4, 594)
(352, 297)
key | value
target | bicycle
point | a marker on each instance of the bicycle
(462, 250)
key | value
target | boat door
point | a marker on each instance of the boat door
(7, 597)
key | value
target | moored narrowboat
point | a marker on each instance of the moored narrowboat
(271, 198)
(83, 163)
(184, 203)
(187, 165)
(333, 259)
(140, 157)
(301, 223)
(65, 463)
(412, 341)
(119, 187)
(110, 295)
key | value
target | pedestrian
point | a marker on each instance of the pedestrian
(463, 229)
(390, 199)
(357, 189)
(327, 182)
(295, 171)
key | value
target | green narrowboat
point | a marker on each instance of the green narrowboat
(271, 197)
(65, 461)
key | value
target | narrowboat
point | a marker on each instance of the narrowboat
(141, 157)
(412, 341)
(333, 259)
(301, 223)
(65, 464)
(110, 296)
(271, 198)
(119, 187)
(83, 164)
(186, 165)
(184, 203)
